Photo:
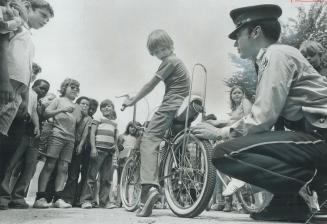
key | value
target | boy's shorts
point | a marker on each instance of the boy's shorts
(61, 149)
(8, 112)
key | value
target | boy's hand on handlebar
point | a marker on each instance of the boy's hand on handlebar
(206, 131)
(128, 103)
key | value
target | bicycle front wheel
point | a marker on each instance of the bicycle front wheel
(189, 176)
(130, 186)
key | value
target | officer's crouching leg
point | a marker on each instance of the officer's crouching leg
(253, 168)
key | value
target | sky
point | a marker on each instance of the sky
(102, 44)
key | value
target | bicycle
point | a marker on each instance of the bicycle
(185, 171)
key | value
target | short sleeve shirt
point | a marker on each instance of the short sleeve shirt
(174, 74)
(85, 122)
(64, 123)
(105, 134)
(20, 56)
(32, 101)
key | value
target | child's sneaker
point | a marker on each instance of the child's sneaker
(110, 205)
(145, 209)
(95, 204)
(86, 205)
(41, 203)
(233, 186)
(61, 204)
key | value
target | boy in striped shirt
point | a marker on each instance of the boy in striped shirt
(103, 145)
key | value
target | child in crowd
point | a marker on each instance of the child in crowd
(93, 107)
(315, 53)
(19, 57)
(71, 193)
(126, 143)
(240, 107)
(103, 138)
(10, 21)
(24, 159)
(174, 74)
(19, 53)
(66, 116)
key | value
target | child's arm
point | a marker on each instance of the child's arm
(52, 110)
(146, 89)
(24, 104)
(35, 121)
(6, 90)
(120, 143)
(82, 142)
(93, 153)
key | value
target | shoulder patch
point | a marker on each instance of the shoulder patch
(263, 64)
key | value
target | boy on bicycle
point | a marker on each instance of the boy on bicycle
(174, 74)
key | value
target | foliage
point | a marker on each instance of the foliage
(309, 25)
(245, 76)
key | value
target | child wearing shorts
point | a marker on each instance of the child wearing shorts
(66, 116)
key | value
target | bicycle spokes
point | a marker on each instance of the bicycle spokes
(187, 173)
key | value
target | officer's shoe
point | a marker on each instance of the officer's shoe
(319, 184)
(322, 213)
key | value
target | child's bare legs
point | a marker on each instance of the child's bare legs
(45, 174)
(62, 172)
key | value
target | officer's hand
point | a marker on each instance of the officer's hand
(206, 131)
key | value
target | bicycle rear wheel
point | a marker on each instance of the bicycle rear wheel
(130, 186)
(253, 200)
(189, 176)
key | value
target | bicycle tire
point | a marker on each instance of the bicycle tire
(130, 186)
(202, 171)
(253, 201)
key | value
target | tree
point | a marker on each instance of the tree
(309, 25)
(244, 76)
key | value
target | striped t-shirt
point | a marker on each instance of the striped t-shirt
(105, 134)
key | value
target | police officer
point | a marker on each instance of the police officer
(282, 162)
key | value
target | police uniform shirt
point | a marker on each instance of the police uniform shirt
(287, 86)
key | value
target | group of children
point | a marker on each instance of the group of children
(77, 146)
(35, 125)
(19, 120)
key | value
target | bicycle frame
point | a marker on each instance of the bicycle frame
(186, 127)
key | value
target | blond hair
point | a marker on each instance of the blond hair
(159, 38)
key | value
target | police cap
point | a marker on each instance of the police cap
(245, 15)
